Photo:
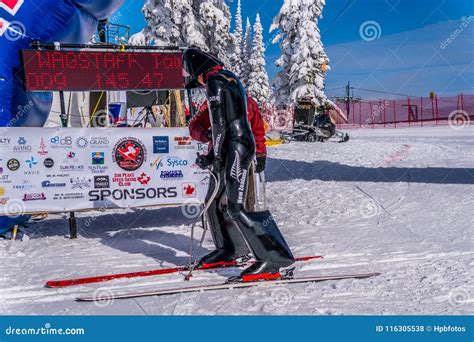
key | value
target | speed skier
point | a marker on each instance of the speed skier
(231, 156)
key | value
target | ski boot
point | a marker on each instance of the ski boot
(266, 244)
(231, 249)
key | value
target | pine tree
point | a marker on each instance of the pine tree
(237, 56)
(171, 23)
(247, 53)
(215, 17)
(258, 85)
(303, 60)
(201, 23)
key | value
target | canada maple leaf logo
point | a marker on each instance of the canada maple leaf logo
(189, 190)
(143, 179)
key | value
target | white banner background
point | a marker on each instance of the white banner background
(67, 169)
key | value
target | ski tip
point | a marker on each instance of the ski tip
(51, 284)
(369, 275)
(311, 257)
(83, 300)
(56, 284)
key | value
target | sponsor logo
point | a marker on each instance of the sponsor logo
(129, 154)
(58, 175)
(201, 147)
(82, 142)
(5, 179)
(98, 158)
(157, 163)
(98, 170)
(13, 164)
(5, 142)
(174, 174)
(239, 175)
(34, 197)
(124, 179)
(215, 99)
(57, 142)
(217, 144)
(143, 179)
(48, 163)
(133, 194)
(31, 162)
(49, 184)
(68, 196)
(161, 145)
(101, 182)
(182, 143)
(81, 183)
(71, 163)
(236, 170)
(42, 148)
(99, 142)
(176, 162)
(240, 199)
(189, 189)
(22, 146)
(24, 187)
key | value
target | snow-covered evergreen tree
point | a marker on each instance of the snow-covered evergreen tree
(246, 53)
(258, 86)
(237, 55)
(201, 23)
(215, 17)
(303, 60)
(172, 23)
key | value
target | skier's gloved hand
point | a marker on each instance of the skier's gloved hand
(204, 161)
(261, 162)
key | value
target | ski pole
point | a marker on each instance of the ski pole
(192, 263)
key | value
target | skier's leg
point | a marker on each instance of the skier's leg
(258, 228)
(229, 244)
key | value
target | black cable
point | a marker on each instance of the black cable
(349, 2)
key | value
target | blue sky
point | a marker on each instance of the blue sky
(408, 56)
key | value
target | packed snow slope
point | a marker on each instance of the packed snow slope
(399, 202)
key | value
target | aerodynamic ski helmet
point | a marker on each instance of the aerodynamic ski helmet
(195, 63)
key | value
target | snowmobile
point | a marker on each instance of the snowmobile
(313, 125)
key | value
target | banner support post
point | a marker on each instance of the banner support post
(72, 226)
(64, 122)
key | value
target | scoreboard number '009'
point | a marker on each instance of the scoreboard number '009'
(99, 70)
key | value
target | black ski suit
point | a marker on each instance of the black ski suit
(234, 229)
(234, 151)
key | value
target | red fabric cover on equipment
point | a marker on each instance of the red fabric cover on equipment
(201, 124)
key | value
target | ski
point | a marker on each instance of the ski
(160, 271)
(225, 286)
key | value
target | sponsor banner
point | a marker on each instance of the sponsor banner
(66, 169)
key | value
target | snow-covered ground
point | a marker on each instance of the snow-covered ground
(399, 202)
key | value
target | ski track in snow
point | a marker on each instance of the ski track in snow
(397, 202)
